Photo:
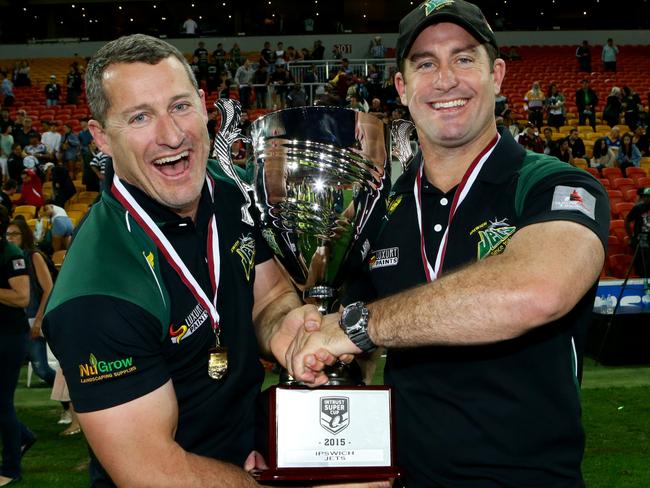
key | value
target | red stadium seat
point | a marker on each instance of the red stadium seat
(636, 174)
(621, 209)
(630, 195)
(615, 197)
(643, 182)
(611, 174)
(594, 172)
(623, 184)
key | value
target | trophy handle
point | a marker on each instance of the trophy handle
(229, 132)
(400, 132)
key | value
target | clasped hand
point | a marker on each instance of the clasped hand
(317, 344)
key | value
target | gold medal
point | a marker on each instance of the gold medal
(217, 362)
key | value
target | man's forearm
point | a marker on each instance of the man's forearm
(497, 299)
(268, 325)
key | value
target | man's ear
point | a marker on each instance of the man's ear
(400, 86)
(100, 137)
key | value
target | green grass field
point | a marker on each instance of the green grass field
(616, 415)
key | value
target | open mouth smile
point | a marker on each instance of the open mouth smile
(173, 165)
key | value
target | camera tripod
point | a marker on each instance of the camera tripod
(641, 251)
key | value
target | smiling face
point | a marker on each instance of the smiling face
(156, 131)
(449, 87)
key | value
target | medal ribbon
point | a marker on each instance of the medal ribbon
(153, 231)
(433, 272)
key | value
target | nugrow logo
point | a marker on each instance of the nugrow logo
(101, 370)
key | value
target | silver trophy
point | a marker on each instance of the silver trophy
(319, 174)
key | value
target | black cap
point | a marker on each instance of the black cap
(465, 14)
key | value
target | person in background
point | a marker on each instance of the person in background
(583, 54)
(550, 146)
(40, 286)
(9, 188)
(613, 107)
(31, 190)
(613, 138)
(576, 144)
(14, 331)
(609, 55)
(563, 152)
(530, 139)
(554, 105)
(603, 156)
(62, 185)
(641, 140)
(60, 226)
(586, 102)
(637, 226)
(52, 92)
(534, 104)
(628, 155)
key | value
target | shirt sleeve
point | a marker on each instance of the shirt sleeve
(571, 196)
(109, 350)
(15, 265)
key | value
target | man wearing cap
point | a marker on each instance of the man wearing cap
(52, 92)
(481, 282)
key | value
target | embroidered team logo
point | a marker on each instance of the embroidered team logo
(192, 322)
(334, 414)
(493, 237)
(574, 198)
(392, 203)
(384, 258)
(245, 248)
(432, 5)
(18, 264)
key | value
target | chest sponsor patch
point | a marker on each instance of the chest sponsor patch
(18, 264)
(574, 198)
(197, 317)
(384, 258)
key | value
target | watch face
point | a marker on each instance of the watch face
(353, 316)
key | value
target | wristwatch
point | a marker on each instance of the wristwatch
(354, 322)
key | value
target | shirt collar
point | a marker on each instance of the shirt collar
(164, 216)
(502, 163)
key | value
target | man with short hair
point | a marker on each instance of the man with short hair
(586, 102)
(185, 296)
(480, 284)
(576, 144)
(23, 135)
(243, 77)
(583, 55)
(52, 140)
(52, 92)
(608, 55)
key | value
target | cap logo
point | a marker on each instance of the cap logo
(431, 5)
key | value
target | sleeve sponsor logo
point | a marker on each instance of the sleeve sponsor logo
(384, 258)
(98, 370)
(574, 198)
(18, 264)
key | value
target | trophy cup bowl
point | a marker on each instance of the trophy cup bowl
(319, 174)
